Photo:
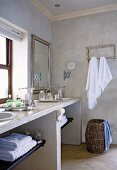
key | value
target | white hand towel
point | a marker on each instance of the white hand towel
(13, 155)
(62, 118)
(63, 121)
(105, 75)
(93, 91)
(14, 141)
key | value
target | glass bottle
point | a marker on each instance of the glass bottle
(9, 101)
(18, 101)
(42, 95)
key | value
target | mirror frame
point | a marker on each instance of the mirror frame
(33, 38)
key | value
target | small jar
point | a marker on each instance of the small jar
(49, 96)
(42, 95)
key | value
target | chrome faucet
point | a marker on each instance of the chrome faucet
(26, 95)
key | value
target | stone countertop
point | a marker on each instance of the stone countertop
(42, 108)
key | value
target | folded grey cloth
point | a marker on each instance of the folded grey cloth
(13, 155)
(14, 141)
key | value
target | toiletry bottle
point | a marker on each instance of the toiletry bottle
(42, 95)
(9, 101)
(18, 101)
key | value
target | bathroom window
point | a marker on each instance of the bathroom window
(5, 68)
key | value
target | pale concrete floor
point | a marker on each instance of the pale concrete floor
(78, 158)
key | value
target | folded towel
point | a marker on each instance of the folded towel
(107, 135)
(14, 141)
(105, 75)
(92, 88)
(13, 155)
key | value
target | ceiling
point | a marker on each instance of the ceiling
(68, 6)
(72, 8)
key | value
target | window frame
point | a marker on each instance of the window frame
(8, 67)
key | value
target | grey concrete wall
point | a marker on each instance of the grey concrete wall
(70, 37)
(23, 14)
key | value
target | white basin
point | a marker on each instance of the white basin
(5, 116)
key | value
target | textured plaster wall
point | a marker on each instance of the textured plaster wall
(70, 37)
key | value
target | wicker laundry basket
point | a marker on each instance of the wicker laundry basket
(94, 136)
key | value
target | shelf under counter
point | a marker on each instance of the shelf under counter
(4, 165)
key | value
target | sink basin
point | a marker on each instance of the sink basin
(5, 116)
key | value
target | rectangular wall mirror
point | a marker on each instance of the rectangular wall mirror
(40, 63)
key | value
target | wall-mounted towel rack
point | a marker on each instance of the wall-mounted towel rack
(98, 47)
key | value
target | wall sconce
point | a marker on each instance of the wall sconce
(70, 66)
(67, 74)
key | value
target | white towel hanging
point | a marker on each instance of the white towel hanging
(92, 88)
(105, 75)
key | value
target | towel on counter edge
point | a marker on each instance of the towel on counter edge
(107, 135)
(61, 111)
(105, 75)
(14, 141)
(63, 120)
(92, 88)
